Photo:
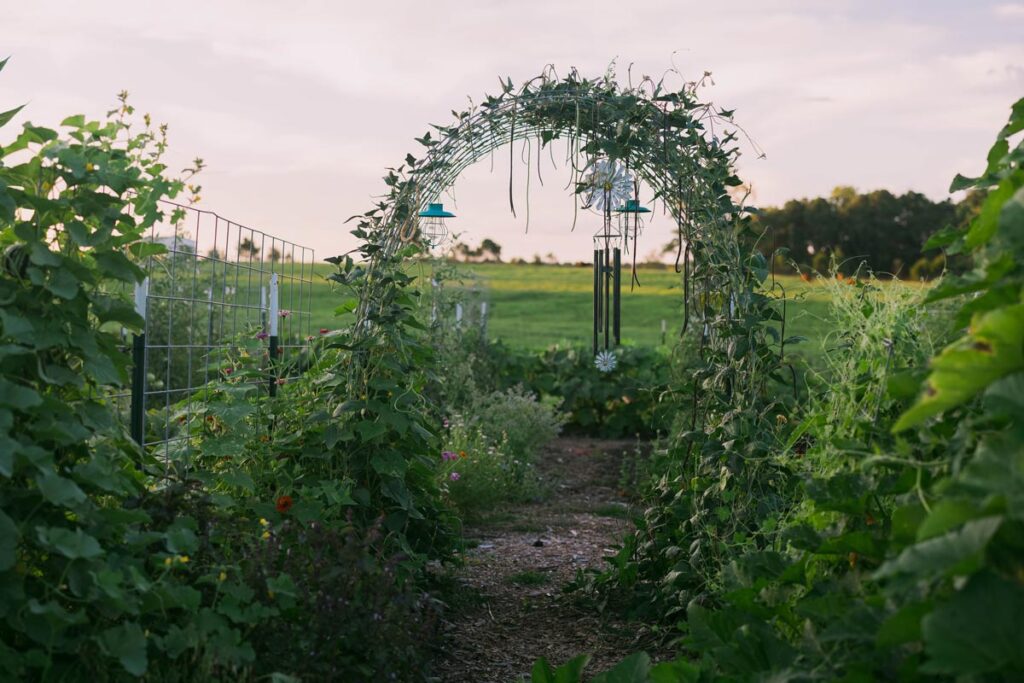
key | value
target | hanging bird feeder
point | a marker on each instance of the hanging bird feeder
(433, 231)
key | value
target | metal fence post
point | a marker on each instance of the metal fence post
(275, 315)
(137, 411)
(483, 322)
(458, 315)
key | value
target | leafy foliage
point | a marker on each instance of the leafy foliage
(116, 563)
(88, 563)
(879, 540)
(626, 403)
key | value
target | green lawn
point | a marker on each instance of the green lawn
(534, 306)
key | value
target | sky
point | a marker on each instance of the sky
(298, 108)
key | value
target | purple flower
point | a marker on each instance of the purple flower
(454, 476)
(445, 423)
(448, 455)
(262, 335)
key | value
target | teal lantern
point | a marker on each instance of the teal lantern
(631, 216)
(433, 230)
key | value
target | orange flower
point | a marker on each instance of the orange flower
(284, 504)
(840, 276)
(806, 277)
(462, 454)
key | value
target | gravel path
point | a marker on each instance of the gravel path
(511, 606)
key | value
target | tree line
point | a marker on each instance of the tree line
(884, 230)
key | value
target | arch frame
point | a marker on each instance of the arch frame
(683, 148)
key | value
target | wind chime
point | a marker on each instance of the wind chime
(611, 186)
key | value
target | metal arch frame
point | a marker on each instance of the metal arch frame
(490, 128)
(671, 144)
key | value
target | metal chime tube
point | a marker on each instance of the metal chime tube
(597, 295)
(607, 296)
(617, 296)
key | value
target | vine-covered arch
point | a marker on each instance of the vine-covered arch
(684, 149)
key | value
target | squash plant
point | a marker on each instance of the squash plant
(93, 569)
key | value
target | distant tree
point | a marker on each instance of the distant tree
(213, 254)
(246, 247)
(489, 246)
(275, 255)
(489, 250)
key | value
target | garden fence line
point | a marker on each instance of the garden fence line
(219, 287)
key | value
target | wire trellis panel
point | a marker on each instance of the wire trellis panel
(219, 285)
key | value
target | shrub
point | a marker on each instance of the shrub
(623, 403)
(490, 452)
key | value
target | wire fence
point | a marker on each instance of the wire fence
(218, 288)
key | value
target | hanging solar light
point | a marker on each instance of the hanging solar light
(433, 231)
(631, 218)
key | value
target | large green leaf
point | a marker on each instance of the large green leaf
(6, 116)
(957, 551)
(978, 631)
(675, 672)
(570, 672)
(8, 542)
(18, 397)
(904, 626)
(993, 348)
(127, 643)
(997, 471)
(632, 669)
(73, 545)
(388, 463)
(985, 226)
(59, 490)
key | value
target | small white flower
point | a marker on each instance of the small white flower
(606, 361)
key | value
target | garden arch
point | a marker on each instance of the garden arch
(682, 148)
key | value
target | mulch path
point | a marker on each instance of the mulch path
(502, 626)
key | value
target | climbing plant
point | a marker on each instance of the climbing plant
(728, 400)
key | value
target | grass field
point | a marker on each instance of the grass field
(534, 306)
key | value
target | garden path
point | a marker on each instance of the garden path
(510, 608)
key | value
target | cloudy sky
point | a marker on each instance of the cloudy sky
(298, 107)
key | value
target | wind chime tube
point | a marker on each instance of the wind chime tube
(617, 300)
(607, 297)
(597, 295)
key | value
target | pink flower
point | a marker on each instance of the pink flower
(448, 455)
(284, 313)
(281, 380)
(323, 330)
(454, 476)
(445, 423)
(262, 335)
